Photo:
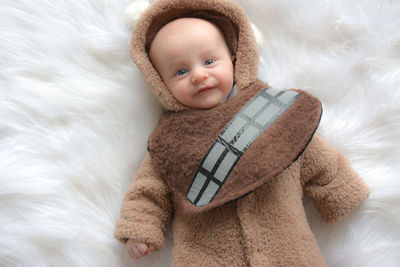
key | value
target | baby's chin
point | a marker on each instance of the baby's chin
(209, 103)
(209, 100)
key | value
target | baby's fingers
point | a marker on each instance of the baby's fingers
(151, 248)
(131, 254)
(135, 253)
(142, 248)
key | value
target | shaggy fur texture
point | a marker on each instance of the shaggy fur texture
(75, 120)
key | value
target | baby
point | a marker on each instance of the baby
(194, 61)
(230, 158)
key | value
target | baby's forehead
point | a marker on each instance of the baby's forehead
(186, 31)
(176, 26)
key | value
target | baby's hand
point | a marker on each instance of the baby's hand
(138, 249)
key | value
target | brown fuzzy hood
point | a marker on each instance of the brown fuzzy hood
(227, 15)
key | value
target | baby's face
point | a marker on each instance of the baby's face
(194, 62)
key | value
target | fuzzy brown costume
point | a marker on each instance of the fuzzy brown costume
(171, 147)
(267, 227)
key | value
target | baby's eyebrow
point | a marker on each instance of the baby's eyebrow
(176, 63)
(175, 67)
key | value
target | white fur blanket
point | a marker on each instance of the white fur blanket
(75, 115)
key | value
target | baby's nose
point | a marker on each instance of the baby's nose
(199, 75)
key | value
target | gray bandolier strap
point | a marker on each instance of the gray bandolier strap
(247, 125)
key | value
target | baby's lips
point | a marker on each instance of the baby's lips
(205, 88)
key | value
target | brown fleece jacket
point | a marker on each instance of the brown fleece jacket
(267, 227)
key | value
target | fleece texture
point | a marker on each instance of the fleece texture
(265, 228)
(171, 145)
(150, 221)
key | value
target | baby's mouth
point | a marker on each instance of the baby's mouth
(205, 88)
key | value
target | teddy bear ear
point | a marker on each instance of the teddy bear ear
(133, 11)
(258, 34)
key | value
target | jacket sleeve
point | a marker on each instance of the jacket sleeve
(329, 180)
(146, 208)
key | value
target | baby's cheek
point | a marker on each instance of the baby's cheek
(182, 94)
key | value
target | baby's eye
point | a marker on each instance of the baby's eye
(181, 72)
(209, 62)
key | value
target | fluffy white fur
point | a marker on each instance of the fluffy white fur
(75, 115)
